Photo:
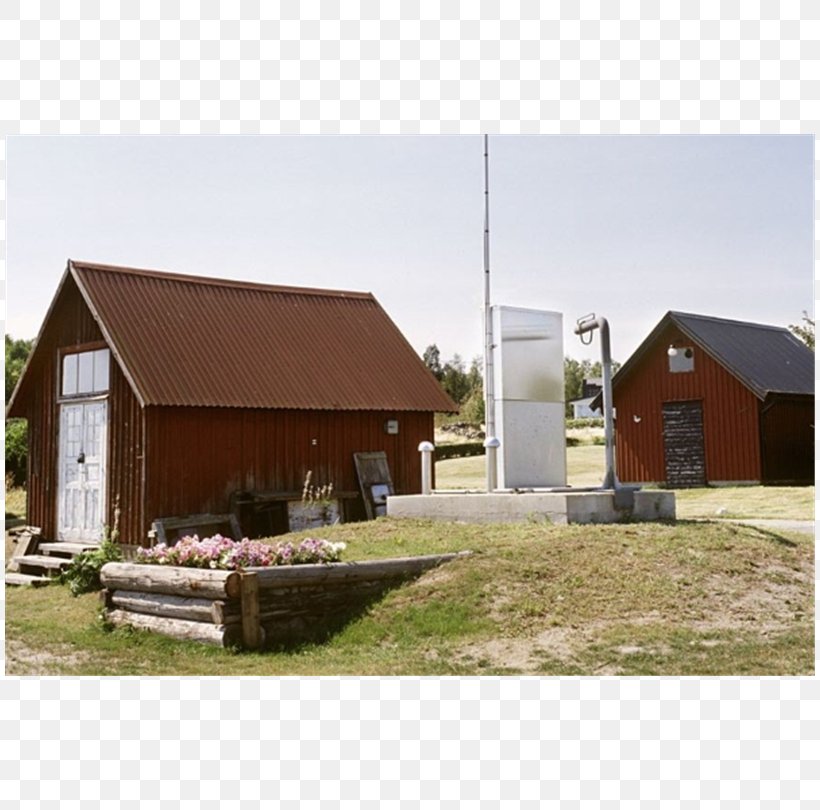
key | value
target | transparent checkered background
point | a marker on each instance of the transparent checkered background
(84, 66)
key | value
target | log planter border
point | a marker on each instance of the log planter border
(251, 608)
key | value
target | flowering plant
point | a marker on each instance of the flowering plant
(223, 553)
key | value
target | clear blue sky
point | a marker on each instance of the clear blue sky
(628, 227)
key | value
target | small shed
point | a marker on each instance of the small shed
(150, 394)
(582, 407)
(707, 400)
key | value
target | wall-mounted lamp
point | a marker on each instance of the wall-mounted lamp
(672, 350)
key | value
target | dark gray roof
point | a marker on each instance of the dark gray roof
(766, 359)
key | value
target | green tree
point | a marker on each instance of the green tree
(804, 331)
(472, 410)
(454, 379)
(432, 359)
(16, 451)
(17, 352)
(475, 376)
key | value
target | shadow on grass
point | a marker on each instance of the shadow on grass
(313, 625)
(766, 534)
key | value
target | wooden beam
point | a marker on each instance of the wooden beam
(161, 527)
(218, 635)
(161, 604)
(251, 630)
(174, 580)
(298, 575)
(25, 543)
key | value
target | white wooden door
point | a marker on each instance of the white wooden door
(81, 497)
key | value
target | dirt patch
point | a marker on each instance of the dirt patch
(769, 598)
(769, 603)
(24, 660)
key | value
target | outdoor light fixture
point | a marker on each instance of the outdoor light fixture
(672, 350)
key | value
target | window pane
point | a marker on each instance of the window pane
(69, 375)
(101, 362)
(86, 382)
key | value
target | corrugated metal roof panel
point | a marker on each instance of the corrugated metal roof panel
(768, 359)
(186, 340)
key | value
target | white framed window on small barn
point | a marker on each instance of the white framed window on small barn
(84, 373)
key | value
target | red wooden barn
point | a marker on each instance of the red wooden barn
(707, 400)
(166, 395)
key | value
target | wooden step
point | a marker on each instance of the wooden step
(65, 549)
(42, 561)
(13, 578)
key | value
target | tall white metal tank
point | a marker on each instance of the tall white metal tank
(528, 375)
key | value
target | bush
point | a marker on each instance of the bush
(462, 450)
(16, 450)
(472, 410)
(83, 574)
(585, 422)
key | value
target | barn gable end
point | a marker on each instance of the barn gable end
(731, 378)
(70, 325)
(219, 387)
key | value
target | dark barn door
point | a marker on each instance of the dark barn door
(683, 451)
(787, 440)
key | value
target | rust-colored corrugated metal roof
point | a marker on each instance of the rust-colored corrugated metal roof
(188, 340)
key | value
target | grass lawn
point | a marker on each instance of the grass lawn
(15, 503)
(626, 599)
(585, 467)
(788, 503)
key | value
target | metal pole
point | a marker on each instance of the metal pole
(587, 325)
(491, 446)
(489, 392)
(610, 480)
(426, 450)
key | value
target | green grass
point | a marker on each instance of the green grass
(787, 503)
(631, 599)
(585, 467)
(15, 503)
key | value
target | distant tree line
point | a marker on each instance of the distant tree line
(466, 386)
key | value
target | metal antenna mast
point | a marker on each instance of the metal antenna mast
(489, 393)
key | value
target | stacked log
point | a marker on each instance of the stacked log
(253, 607)
(185, 603)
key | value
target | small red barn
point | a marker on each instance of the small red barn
(707, 400)
(165, 394)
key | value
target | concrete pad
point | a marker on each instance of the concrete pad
(540, 506)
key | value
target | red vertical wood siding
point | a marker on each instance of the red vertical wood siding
(730, 416)
(125, 459)
(182, 460)
(70, 325)
(198, 457)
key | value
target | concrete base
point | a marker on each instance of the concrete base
(541, 506)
